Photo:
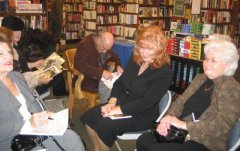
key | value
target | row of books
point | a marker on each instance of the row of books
(148, 2)
(73, 17)
(183, 73)
(78, 1)
(89, 5)
(165, 11)
(109, 19)
(217, 16)
(72, 35)
(148, 12)
(73, 7)
(34, 22)
(73, 27)
(89, 14)
(129, 8)
(90, 25)
(128, 18)
(106, 9)
(119, 30)
(217, 4)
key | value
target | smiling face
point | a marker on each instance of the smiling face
(147, 54)
(213, 66)
(6, 58)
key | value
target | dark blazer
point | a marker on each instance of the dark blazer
(86, 61)
(138, 95)
(11, 121)
(215, 123)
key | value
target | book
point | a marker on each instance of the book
(109, 83)
(51, 67)
(119, 116)
(55, 127)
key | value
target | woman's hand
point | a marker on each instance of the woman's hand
(40, 118)
(164, 125)
(105, 109)
(119, 69)
(178, 123)
(35, 64)
(115, 110)
(39, 62)
(44, 80)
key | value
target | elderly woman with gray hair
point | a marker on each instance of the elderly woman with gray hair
(213, 98)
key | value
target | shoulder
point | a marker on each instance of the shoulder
(14, 74)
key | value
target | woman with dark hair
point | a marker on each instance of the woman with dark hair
(137, 92)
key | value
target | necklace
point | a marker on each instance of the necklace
(208, 85)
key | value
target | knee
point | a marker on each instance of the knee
(76, 143)
(144, 142)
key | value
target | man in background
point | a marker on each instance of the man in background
(92, 58)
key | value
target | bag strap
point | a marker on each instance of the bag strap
(57, 143)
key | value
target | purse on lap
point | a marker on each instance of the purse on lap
(27, 142)
(175, 135)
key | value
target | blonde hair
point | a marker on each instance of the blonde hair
(152, 38)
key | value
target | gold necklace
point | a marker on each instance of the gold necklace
(207, 89)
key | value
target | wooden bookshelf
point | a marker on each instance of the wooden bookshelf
(73, 21)
(34, 15)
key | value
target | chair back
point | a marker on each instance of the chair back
(234, 137)
(164, 104)
(70, 53)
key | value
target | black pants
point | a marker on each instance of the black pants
(146, 142)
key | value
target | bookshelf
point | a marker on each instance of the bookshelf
(73, 21)
(107, 15)
(128, 18)
(33, 14)
(89, 16)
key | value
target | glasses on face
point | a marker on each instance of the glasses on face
(211, 60)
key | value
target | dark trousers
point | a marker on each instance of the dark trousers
(147, 142)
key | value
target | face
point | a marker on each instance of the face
(16, 36)
(6, 58)
(147, 54)
(212, 65)
(102, 47)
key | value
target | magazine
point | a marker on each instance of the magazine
(51, 67)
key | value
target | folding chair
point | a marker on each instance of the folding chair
(233, 142)
(164, 104)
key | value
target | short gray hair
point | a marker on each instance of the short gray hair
(228, 53)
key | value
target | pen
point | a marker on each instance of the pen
(50, 118)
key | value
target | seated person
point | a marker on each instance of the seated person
(137, 92)
(214, 99)
(17, 106)
(22, 63)
(91, 58)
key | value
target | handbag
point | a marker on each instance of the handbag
(27, 142)
(175, 135)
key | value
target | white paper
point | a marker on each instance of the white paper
(120, 116)
(57, 126)
(109, 83)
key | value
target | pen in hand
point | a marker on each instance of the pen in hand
(50, 118)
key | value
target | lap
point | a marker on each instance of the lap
(146, 142)
(108, 129)
(74, 145)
